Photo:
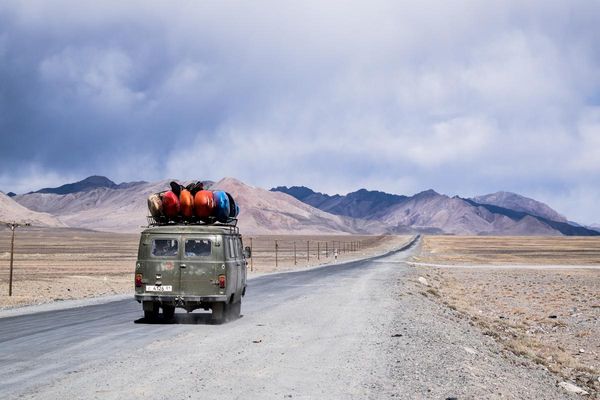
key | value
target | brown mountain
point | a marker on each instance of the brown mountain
(11, 211)
(267, 212)
(102, 208)
(432, 212)
(517, 202)
(359, 204)
(123, 209)
(501, 213)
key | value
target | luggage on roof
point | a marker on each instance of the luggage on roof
(192, 204)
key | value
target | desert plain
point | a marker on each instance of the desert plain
(538, 296)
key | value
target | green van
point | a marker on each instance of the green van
(191, 267)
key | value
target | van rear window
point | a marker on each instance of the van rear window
(165, 247)
(198, 247)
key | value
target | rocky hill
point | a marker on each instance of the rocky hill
(359, 204)
(271, 212)
(11, 211)
(501, 213)
(98, 203)
(116, 209)
(90, 183)
(123, 208)
(517, 202)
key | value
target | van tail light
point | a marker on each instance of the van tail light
(222, 281)
(138, 280)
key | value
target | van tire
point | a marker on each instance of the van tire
(168, 312)
(235, 310)
(219, 312)
(151, 314)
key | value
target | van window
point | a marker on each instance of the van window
(230, 246)
(198, 247)
(165, 247)
(238, 247)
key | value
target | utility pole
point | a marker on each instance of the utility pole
(12, 226)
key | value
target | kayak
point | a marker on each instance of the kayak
(187, 203)
(234, 210)
(171, 205)
(204, 204)
(222, 209)
(155, 205)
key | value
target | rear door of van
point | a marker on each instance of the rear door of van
(161, 265)
(201, 264)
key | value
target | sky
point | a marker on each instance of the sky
(466, 98)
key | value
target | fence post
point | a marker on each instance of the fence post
(308, 251)
(12, 250)
(295, 262)
(318, 250)
(251, 257)
(326, 249)
(276, 251)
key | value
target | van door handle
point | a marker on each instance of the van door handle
(182, 266)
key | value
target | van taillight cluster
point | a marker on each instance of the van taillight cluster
(222, 281)
(138, 280)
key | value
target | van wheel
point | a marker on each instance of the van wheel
(235, 310)
(219, 312)
(151, 312)
(168, 312)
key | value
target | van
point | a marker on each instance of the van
(191, 267)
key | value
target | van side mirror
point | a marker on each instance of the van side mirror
(247, 252)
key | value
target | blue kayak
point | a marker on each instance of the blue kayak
(234, 210)
(222, 208)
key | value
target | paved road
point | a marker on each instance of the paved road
(357, 330)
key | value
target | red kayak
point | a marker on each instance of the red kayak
(171, 205)
(204, 204)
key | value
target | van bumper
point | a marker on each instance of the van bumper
(171, 299)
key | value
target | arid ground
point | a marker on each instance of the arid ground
(55, 264)
(539, 296)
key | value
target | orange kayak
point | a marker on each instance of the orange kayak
(204, 204)
(187, 203)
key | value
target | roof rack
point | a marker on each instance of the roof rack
(210, 221)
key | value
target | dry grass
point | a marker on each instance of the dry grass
(510, 250)
(549, 315)
(57, 264)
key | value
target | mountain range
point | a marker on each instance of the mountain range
(101, 204)
(501, 213)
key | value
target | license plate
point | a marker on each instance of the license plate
(166, 288)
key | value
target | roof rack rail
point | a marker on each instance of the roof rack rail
(210, 221)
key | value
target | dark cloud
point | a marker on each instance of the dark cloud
(465, 98)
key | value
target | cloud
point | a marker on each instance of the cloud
(466, 98)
